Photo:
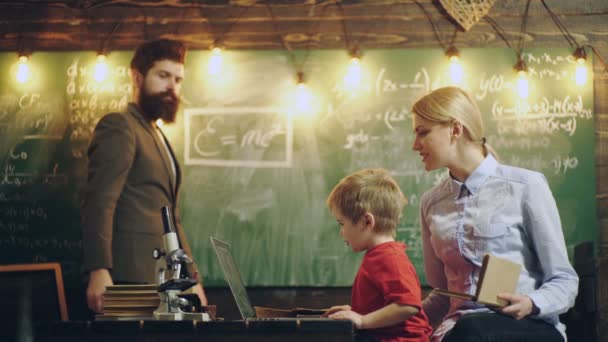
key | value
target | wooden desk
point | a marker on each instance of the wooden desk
(185, 331)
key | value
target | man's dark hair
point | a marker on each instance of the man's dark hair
(157, 50)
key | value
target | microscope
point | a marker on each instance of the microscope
(169, 282)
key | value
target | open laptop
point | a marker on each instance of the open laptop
(237, 286)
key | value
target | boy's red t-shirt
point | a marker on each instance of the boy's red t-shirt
(387, 276)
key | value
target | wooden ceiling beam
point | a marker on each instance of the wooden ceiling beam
(85, 25)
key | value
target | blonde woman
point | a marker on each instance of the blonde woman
(487, 207)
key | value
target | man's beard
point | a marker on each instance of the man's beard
(159, 106)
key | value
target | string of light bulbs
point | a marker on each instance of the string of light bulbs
(354, 71)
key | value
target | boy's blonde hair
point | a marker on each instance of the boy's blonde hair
(447, 104)
(369, 190)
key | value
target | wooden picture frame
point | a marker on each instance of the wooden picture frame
(36, 270)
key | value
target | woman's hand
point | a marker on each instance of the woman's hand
(520, 306)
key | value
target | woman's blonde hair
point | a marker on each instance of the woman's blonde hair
(373, 191)
(448, 104)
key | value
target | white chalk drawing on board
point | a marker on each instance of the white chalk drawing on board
(238, 137)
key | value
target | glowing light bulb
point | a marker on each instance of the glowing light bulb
(23, 70)
(353, 74)
(523, 85)
(456, 71)
(215, 62)
(303, 99)
(299, 101)
(581, 74)
(455, 67)
(101, 68)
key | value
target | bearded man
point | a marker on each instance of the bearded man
(132, 173)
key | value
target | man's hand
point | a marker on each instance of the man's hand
(519, 307)
(98, 281)
(198, 289)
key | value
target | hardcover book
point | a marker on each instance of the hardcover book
(497, 275)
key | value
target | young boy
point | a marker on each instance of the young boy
(386, 296)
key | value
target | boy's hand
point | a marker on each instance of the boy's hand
(336, 309)
(350, 316)
(519, 307)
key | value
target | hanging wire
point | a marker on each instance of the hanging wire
(499, 30)
(20, 43)
(104, 43)
(344, 31)
(209, 26)
(355, 46)
(453, 39)
(25, 48)
(569, 38)
(276, 28)
(314, 29)
(179, 24)
(218, 39)
(282, 40)
(97, 4)
(435, 30)
(292, 56)
(145, 30)
(597, 54)
(20, 24)
(523, 30)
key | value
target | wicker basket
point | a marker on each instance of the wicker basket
(467, 12)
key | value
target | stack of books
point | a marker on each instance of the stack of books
(129, 302)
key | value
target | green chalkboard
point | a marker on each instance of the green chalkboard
(257, 168)
(45, 127)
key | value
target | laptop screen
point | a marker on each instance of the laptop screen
(233, 277)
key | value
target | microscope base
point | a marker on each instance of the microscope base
(182, 316)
